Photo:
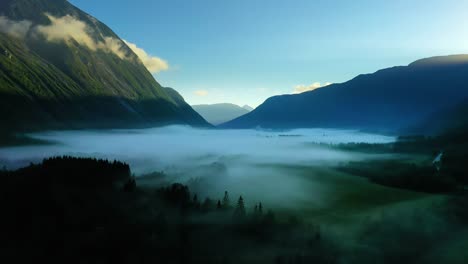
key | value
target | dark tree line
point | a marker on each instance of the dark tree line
(179, 195)
(79, 210)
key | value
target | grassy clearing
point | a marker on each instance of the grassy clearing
(347, 199)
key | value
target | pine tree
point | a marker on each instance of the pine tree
(130, 185)
(196, 203)
(260, 209)
(226, 201)
(240, 209)
(218, 205)
(256, 213)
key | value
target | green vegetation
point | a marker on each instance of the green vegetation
(404, 145)
(86, 210)
(45, 85)
(80, 210)
(364, 147)
(401, 174)
(421, 174)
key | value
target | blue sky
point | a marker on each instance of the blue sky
(244, 51)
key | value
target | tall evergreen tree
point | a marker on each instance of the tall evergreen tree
(240, 208)
(196, 203)
(226, 201)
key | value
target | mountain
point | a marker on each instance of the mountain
(248, 108)
(62, 68)
(450, 121)
(219, 113)
(389, 100)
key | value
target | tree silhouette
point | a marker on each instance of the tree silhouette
(207, 205)
(240, 208)
(226, 201)
(196, 203)
(130, 185)
(260, 208)
(176, 194)
(218, 205)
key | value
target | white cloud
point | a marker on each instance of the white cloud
(113, 45)
(201, 92)
(17, 29)
(305, 88)
(152, 63)
(68, 28)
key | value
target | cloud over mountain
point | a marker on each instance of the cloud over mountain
(305, 88)
(152, 63)
(68, 28)
(17, 29)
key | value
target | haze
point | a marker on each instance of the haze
(235, 160)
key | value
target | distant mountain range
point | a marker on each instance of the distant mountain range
(248, 108)
(62, 68)
(397, 100)
(220, 113)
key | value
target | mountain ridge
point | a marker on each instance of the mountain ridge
(388, 100)
(54, 79)
(219, 113)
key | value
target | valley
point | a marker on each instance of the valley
(128, 135)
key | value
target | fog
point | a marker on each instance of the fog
(261, 165)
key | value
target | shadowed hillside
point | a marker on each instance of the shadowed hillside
(390, 100)
(51, 78)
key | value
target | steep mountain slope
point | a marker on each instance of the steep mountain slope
(449, 120)
(220, 113)
(389, 100)
(62, 68)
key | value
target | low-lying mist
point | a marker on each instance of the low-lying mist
(269, 166)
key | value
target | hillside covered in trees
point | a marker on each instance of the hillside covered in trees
(61, 68)
(79, 210)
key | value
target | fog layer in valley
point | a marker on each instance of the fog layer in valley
(271, 166)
